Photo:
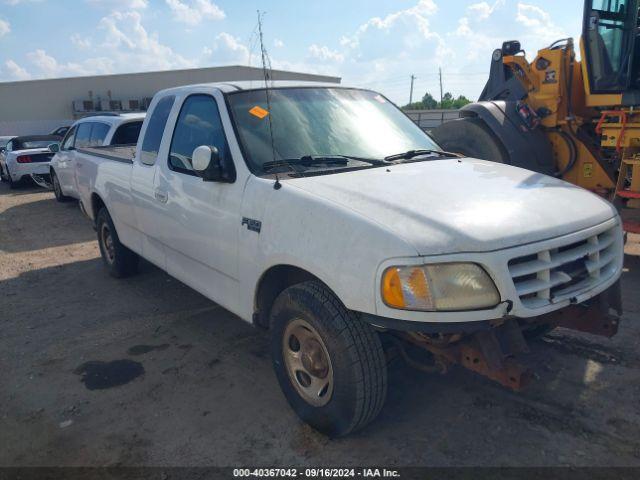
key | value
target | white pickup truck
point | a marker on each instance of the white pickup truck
(96, 130)
(323, 214)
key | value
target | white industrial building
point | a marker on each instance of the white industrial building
(40, 106)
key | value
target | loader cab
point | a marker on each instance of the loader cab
(611, 43)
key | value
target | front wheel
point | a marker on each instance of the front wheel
(119, 260)
(57, 190)
(330, 364)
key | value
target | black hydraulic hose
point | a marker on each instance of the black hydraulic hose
(573, 154)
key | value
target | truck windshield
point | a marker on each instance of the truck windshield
(321, 121)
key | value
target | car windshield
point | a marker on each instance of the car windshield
(35, 144)
(321, 121)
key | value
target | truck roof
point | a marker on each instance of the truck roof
(229, 87)
(112, 119)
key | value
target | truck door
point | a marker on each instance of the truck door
(90, 134)
(200, 222)
(148, 203)
(65, 166)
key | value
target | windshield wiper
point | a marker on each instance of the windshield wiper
(418, 153)
(313, 160)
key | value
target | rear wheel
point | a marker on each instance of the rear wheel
(13, 184)
(57, 190)
(119, 260)
(330, 364)
(472, 138)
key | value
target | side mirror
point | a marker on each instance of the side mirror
(206, 163)
(54, 148)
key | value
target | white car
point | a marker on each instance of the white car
(94, 131)
(26, 156)
(325, 215)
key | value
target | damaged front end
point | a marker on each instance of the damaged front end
(492, 348)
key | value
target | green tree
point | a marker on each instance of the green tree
(430, 103)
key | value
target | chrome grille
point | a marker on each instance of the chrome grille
(545, 276)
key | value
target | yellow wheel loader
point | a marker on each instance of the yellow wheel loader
(577, 120)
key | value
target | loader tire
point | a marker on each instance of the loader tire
(118, 259)
(330, 364)
(472, 138)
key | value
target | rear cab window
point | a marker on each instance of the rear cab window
(127, 133)
(155, 130)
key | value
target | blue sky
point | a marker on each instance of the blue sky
(373, 43)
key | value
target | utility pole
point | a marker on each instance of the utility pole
(413, 77)
(440, 74)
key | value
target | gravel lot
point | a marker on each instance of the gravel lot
(200, 389)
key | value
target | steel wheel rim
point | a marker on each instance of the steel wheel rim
(107, 243)
(307, 362)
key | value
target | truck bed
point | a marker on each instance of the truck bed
(117, 153)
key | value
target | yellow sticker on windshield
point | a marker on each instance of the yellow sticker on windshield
(258, 112)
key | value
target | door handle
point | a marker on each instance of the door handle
(161, 196)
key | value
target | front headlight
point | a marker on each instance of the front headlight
(444, 286)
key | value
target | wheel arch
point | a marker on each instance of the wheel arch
(96, 204)
(272, 283)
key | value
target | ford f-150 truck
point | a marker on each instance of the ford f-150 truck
(323, 214)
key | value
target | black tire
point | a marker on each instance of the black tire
(13, 184)
(356, 359)
(472, 138)
(57, 190)
(118, 259)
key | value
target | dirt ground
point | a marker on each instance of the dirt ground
(197, 388)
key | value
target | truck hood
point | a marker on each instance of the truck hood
(466, 205)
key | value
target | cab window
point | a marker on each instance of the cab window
(83, 135)
(99, 132)
(127, 134)
(69, 140)
(155, 130)
(198, 124)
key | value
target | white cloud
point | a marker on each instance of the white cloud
(50, 67)
(278, 43)
(80, 42)
(15, 71)
(195, 11)
(125, 46)
(538, 23)
(227, 49)
(325, 54)
(130, 47)
(482, 10)
(119, 5)
(5, 28)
